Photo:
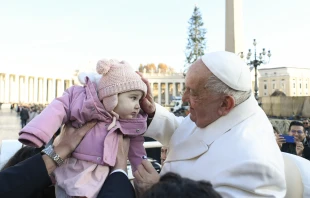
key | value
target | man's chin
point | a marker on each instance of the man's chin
(192, 117)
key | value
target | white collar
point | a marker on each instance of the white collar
(202, 138)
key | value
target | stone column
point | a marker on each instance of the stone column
(40, 91)
(159, 93)
(11, 92)
(181, 87)
(166, 93)
(44, 90)
(234, 26)
(174, 89)
(21, 91)
(17, 89)
(30, 91)
(7, 88)
(51, 90)
(35, 89)
(26, 81)
(66, 85)
(60, 87)
(2, 89)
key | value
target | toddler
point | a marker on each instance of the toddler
(114, 102)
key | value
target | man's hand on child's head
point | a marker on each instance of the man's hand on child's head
(147, 104)
(69, 138)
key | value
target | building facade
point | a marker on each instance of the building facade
(42, 88)
(165, 86)
(32, 88)
(292, 81)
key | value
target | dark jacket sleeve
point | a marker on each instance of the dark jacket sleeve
(117, 185)
(25, 179)
(306, 153)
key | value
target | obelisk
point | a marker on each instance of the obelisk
(234, 35)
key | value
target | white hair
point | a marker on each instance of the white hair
(214, 84)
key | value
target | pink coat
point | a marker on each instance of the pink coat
(80, 105)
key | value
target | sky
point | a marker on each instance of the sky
(74, 34)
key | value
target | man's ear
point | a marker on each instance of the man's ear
(227, 105)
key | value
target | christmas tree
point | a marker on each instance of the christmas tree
(196, 38)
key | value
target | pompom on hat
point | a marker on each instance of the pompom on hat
(117, 77)
(229, 68)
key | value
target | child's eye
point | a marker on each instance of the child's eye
(134, 98)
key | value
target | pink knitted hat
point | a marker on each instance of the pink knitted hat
(117, 77)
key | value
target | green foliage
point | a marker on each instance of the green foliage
(196, 38)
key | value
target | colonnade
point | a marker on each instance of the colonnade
(16, 88)
(31, 89)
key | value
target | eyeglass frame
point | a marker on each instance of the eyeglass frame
(297, 131)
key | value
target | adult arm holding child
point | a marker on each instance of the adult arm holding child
(118, 176)
(32, 175)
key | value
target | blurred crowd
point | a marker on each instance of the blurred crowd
(27, 111)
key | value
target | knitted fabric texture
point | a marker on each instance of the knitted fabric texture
(117, 77)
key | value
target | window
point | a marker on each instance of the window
(273, 86)
(294, 86)
(265, 86)
(306, 86)
(300, 85)
(294, 93)
(282, 85)
(265, 94)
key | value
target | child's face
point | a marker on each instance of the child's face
(128, 105)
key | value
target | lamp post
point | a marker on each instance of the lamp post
(256, 62)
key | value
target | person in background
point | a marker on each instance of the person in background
(24, 116)
(32, 114)
(300, 147)
(18, 108)
(163, 154)
(305, 122)
(12, 107)
(173, 185)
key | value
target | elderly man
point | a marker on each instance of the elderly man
(226, 139)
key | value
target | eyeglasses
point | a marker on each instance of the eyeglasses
(306, 123)
(298, 131)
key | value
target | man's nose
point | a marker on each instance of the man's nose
(185, 97)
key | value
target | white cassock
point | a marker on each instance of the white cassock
(237, 153)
